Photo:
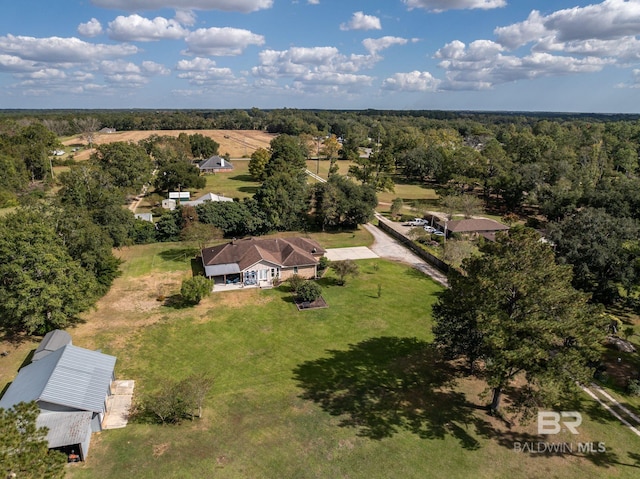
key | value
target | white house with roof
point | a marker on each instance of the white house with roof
(70, 385)
(205, 199)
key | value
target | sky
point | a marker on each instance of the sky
(495, 55)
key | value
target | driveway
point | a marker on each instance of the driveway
(358, 252)
(387, 247)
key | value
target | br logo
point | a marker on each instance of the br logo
(551, 422)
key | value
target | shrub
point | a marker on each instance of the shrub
(309, 291)
(323, 264)
(633, 387)
(295, 282)
(194, 289)
(343, 269)
(175, 401)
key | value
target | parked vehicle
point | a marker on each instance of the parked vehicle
(416, 222)
(429, 229)
(438, 233)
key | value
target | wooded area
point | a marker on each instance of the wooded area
(573, 177)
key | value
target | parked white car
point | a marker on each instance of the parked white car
(438, 233)
(417, 222)
(429, 229)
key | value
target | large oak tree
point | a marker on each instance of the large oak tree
(514, 312)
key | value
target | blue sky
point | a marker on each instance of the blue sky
(571, 56)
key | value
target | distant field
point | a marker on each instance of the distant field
(238, 143)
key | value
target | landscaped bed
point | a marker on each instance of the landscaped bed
(310, 305)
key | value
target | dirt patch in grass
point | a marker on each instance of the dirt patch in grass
(129, 305)
(160, 449)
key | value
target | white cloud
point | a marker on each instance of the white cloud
(442, 5)
(334, 78)
(360, 21)
(635, 80)
(314, 70)
(299, 61)
(137, 28)
(11, 63)
(521, 33)
(244, 6)
(61, 50)
(185, 17)
(414, 81)
(202, 70)
(568, 41)
(92, 28)
(197, 64)
(313, 2)
(128, 73)
(609, 20)
(374, 45)
(221, 41)
(625, 49)
(482, 65)
(45, 75)
(153, 68)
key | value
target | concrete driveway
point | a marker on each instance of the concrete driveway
(387, 247)
(357, 252)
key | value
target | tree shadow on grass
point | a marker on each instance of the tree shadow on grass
(176, 301)
(383, 385)
(178, 254)
(247, 178)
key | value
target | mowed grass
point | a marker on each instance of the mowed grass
(409, 192)
(321, 167)
(347, 391)
(234, 184)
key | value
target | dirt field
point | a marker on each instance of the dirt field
(238, 143)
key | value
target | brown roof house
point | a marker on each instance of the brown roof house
(215, 164)
(258, 262)
(476, 227)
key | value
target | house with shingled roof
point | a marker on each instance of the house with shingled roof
(474, 227)
(260, 261)
(215, 164)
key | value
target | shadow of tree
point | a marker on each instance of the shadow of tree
(176, 301)
(386, 384)
(247, 178)
(178, 254)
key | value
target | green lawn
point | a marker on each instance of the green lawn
(408, 192)
(321, 167)
(235, 184)
(348, 391)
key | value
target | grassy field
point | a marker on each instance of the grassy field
(235, 184)
(321, 168)
(348, 391)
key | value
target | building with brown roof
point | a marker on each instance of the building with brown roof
(474, 227)
(259, 261)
